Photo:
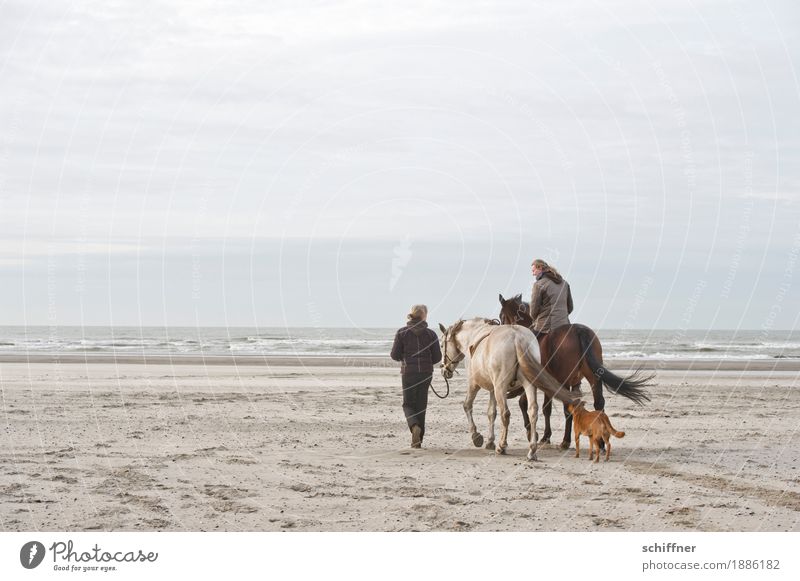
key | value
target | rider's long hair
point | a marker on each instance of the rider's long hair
(547, 268)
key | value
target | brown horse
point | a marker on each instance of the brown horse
(570, 353)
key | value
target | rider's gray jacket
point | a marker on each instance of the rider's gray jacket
(551, 304)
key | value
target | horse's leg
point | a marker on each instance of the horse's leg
(597, 394)
(547, 409)
(599, 403)
(596, 383)
(505, 417)
(533, 416)
(472, 391)
(523, 406)
(492, 415)
(568, 424)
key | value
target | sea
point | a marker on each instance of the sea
(370, 342)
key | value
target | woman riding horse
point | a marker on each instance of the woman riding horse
(569, 352)
(551, 302)
(550, 306)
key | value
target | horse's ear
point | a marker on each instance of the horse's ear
(502, 300)
(442, 328)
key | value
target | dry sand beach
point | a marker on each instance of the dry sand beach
(229, 445)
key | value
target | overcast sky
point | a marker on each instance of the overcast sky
(331, 163)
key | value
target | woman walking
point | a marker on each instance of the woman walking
(417, 347)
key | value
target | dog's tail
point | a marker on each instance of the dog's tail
(535, 373)
(612, 430)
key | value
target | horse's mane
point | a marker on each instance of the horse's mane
(460, 323)
(456, 327)
(485, 320)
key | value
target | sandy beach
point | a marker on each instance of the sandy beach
(308, 445)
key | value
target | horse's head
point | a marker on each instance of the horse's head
(452, 353)
(514, 311)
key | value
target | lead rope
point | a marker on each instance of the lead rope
(447, 383)
(448, 389)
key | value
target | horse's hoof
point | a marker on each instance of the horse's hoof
(500, 451)
(477, 439)
(565, 445)
(489, 445)
(532, 457)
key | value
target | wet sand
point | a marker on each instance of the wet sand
(251, 444)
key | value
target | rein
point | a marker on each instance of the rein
(447, 383)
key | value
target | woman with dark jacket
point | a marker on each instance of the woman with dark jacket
(417, 347)
(551, 302)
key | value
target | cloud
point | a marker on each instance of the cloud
(622, 131)
(784, 196)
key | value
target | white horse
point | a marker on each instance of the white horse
(504, 360)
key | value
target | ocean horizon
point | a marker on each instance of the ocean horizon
(370, 342)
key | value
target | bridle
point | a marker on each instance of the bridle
(448, 365)
(518, 318)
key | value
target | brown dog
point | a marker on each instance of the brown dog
(596, 425)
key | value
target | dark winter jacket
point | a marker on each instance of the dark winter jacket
(417, 347)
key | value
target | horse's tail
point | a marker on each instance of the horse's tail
(631, 387)
(535, 373)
